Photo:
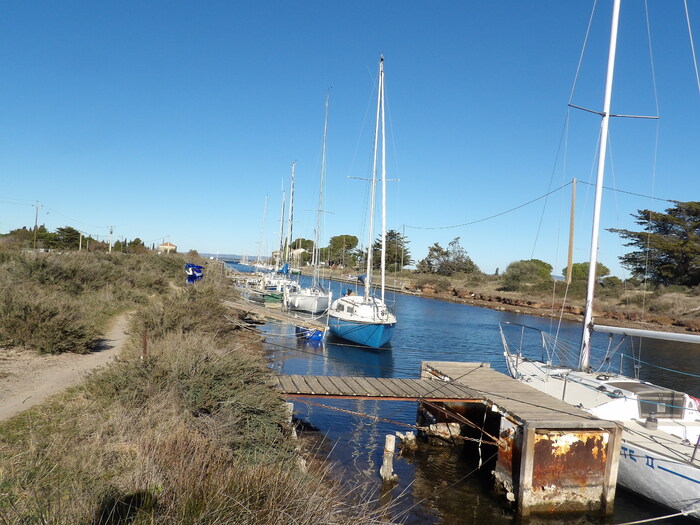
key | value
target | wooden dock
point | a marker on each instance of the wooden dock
(373, 388)
(551, 458)
(277, 314)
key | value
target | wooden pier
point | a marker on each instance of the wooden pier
(552, 457)
(277, 314)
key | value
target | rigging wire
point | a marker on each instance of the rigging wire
(692, 45)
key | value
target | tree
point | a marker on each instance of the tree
(340, 248)
(397, 253)
(67, 238)
(136, 246)
(668, 247)
(448, 261)
(526, 274)
(579, 271)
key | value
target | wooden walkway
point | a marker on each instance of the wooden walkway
(373, 387)
(516, 398)
(277, 314)
(461, 382)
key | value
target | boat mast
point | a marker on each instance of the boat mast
(368, 281)
(317, 234)
(279, 252)
(588, 315)
(262, 233)
(383, 261)
(288, 244)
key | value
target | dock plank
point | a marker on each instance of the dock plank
(476, 384)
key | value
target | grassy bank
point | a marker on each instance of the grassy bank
(192, 433)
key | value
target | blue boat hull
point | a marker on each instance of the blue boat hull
(374, 335)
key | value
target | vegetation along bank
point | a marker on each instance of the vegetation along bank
(183, 428)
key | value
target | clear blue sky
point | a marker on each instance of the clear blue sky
(173, 120)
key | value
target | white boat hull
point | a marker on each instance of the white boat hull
(306, 300)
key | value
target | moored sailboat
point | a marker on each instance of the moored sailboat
(314, 299)
(367, 320)
(660, 450)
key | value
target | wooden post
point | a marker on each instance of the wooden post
(527, 458)
(387, 468)
(611, 468)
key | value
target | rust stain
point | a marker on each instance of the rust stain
(569, 460)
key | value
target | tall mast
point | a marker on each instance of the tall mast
(383, 260)
(368, 281)
(317, 234)
(288, 244)
(279, 252)
(588, 315)
(262, 233)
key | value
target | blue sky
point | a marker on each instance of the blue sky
(173, 120)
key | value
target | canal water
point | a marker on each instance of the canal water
(439, 484)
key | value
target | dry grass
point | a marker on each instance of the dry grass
(193, 433)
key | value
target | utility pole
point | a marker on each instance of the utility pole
(36, 221)
(111, 229)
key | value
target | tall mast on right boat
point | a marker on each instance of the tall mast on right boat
(588, 314)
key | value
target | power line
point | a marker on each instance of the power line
(532, 201)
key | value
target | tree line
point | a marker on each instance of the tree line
(64, 239)
(665, 251)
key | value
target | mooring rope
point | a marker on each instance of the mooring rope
(390, 421)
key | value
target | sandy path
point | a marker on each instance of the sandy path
(27, 378)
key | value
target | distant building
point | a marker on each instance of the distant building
(167, 247)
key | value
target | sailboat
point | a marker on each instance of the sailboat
(314, 299)
(660, 448)
(276, 284)
(366, 320)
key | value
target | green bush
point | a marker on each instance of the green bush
(59, 302)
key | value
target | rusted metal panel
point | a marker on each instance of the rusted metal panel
(569, 470)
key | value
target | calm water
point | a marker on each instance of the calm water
(438, 484)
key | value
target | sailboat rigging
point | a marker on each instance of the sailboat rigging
(314, 299)
(367, 320)
(660, 451)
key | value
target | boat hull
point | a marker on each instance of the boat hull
(659, 478)
(312, 303)
(374, 335)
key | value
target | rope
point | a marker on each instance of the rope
(649, 520)
(662, 367)
(385, 420)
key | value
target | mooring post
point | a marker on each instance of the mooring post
(290, 418)
(387, 469)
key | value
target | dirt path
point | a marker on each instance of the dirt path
(27, 378)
